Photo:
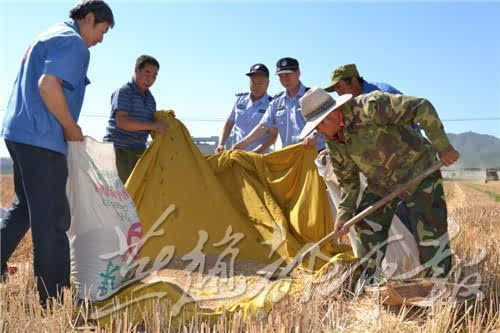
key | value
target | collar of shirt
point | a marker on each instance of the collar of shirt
(347, 114)
(136, 89)
(300, 92)
(336, 137)
(259, 101)
(72, 24)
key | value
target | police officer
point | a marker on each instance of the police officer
(247, 112)
(283, 113)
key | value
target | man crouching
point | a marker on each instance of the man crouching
(372, 134)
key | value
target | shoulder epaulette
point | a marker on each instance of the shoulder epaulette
(278, 95)
(242, 94)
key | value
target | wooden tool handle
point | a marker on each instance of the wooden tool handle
(382, 202)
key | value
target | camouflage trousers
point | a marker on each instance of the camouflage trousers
(428, 224)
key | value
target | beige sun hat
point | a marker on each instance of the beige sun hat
(315, 105)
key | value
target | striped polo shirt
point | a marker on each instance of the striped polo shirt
(140, 107)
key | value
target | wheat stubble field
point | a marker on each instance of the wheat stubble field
(473, 206)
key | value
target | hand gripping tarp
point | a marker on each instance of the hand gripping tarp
(267, 207)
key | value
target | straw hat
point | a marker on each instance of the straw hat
(315, 105)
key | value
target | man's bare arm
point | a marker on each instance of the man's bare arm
(271, 139)
(255, 134)
(123, 121)
(228, 126)
(52, 94)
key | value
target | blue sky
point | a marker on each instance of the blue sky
(448, 52)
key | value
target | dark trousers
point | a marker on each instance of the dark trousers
(40, 177)
(126, 159)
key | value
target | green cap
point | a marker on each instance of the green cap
(341, 73)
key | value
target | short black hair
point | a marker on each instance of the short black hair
(144, 60)
(101, 10)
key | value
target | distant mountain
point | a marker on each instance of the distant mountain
(476, 150)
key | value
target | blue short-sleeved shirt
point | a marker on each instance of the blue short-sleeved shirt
(138, 106)
(284, 113)
(59, 51)
(246, 114)
(368, 87)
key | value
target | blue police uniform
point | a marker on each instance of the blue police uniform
(284, 113)
(246, 114)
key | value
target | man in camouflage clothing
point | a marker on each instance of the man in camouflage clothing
(370, 134)
(346, 79)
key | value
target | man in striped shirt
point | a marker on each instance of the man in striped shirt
(132, 116)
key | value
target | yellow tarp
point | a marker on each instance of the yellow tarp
(267, 208)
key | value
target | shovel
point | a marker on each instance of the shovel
(382, 202)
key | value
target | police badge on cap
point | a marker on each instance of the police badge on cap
(258, 68)
(287, 65)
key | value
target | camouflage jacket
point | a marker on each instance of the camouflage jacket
(380, 143)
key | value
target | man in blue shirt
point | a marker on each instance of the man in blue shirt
(132, 116)
(283, 113)
(345, 79)
(247, 112)
(41, 117)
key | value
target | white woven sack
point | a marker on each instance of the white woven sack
(104, 220)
